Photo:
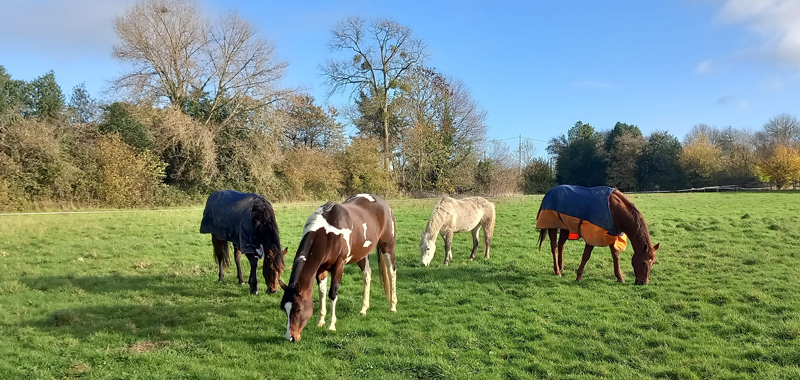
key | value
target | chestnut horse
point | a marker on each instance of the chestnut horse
(624, 219)
(335, 235)
(248, 221)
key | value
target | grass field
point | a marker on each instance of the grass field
(134, 295)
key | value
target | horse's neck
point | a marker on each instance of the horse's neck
(433, 227)
(637, 235)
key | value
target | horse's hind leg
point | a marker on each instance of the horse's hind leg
(488, 233)
(617, 270)
(475, 232)
(562, 241)
(388, 267)
(553, 234)
(366, 275)
(237, 256)
(587, 252)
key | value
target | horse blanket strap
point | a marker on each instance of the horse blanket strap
(584, 212)
(228, 215)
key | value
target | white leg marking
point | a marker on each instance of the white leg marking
(366, 275)
(288, 308)
(391, 214)
(323, 295)
(332, 327)
(394, 289)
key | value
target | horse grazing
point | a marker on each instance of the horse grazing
(248, 221)
(457, 215)
(603, 217)
(335, 235)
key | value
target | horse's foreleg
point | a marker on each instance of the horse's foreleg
(448, 243)
(237, 256)
(253, 280)
(617, 270)
(562, 241)
(337, 272)
(322, 284)
(366, 275)
(587, 252)
(475, 232)
(553, 234)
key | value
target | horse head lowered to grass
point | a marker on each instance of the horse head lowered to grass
(248, 221)
(603, 217)
(334, 235)
(457, 215)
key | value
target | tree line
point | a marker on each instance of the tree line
(199, 107)
(622, 157)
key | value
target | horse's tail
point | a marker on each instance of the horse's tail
(385, 263)
(542, 233)
(221, 253)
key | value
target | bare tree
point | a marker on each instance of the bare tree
(783, 130)
(175, 53)
(383, 52)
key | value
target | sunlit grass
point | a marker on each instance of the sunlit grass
(135, 295)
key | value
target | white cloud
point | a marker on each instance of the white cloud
(744, 105)
(704, 67)
(775, 22)
(63, 27)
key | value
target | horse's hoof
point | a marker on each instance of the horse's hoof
(254, 292)
(332, 328)
(362, 313)
(321, 323)
(240, 282)
(393, 309)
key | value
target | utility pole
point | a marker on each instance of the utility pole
(520, 154)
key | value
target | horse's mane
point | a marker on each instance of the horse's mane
(639, 228)
(297, 265)
(267, 230)
(436, 220)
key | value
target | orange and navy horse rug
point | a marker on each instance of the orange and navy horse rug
(584, 212)
(228, 215)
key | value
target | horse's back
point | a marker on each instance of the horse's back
(228, 215)
(469, 212)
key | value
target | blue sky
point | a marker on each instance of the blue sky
(535, 66)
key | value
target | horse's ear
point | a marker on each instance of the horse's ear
(270, 253)
(285, 250)
(283, 286)
(655, 247)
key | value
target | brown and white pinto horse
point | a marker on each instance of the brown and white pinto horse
(335, 235)
(628, 220)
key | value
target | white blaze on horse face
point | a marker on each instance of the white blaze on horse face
(317, 221)
(367, 243)
(365, 196)
(288, 308)
(428, 248)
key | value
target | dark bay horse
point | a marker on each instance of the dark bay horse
(603, 216)
(248, 221)
(335, 235)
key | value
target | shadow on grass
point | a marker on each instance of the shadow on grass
(159, 284)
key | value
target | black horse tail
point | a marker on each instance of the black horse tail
(221, 252)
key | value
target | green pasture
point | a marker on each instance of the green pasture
(135, 296)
